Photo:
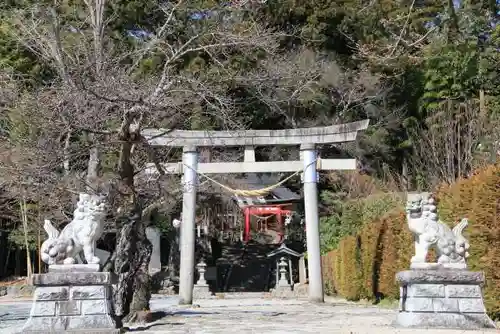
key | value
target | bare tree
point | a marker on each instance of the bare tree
(450, 144)
(84, 128)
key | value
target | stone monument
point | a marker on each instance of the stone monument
(284, 287)
(442, 294)
(283, 280)
(71, 297)
(201, 289)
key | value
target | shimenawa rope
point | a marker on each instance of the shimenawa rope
(255, 192)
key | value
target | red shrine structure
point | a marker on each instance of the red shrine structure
(267, 214)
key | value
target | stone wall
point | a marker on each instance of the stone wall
(442, 298)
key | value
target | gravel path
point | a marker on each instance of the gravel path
(251, 315)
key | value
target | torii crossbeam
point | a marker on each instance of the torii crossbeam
(307, 138)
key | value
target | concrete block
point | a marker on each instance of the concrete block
(281, 292)
(91, 321)
(45, 324)
(443, 320)
(74, 268)
(455, 297)
(96, 307)
(70, 307)
(43, 309)
(418, 305)
(90, 292)
(426, 290)
(86, 307)
(72, 278)
(440, 277)
(471, 305)
(463, 291)
(51, 293)
(445, 304)
(201, 291)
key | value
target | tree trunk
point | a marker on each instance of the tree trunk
(93, 165)
(132, 255)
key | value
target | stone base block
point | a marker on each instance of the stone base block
(301, 290)
(201, 291)
(72, 302)
(438, 266)
(444, 320)
(282, 292)
(74, 268)
(442, 299)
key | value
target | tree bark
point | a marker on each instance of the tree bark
(133, 249)
(132, 255)
(93, 165)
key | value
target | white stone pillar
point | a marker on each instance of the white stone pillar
(188, 225)
(153, 235)
(302, 270)
(312, 223)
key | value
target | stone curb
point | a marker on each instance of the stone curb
(73, 278)
(440, 276)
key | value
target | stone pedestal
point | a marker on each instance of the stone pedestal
(442, 299)
(201, 291)
(72, 299)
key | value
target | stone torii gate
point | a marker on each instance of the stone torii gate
(307, 138)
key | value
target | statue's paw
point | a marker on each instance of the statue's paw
(69, 260)
(95, 260)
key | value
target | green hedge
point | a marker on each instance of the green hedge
(364, 264)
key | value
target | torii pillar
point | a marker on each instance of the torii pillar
(188, 226)
(310, 178)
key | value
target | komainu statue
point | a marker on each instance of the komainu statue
(451, 246)
(79, 235)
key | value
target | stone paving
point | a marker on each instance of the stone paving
(253, 314)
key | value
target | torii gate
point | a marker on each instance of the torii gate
(307, 138)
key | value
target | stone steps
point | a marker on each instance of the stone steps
(244, 268)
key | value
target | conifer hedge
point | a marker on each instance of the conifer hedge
(364, 265)
(478, 199)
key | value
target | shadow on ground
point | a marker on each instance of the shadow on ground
(158, 316)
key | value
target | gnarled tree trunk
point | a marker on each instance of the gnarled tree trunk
(132, 255)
